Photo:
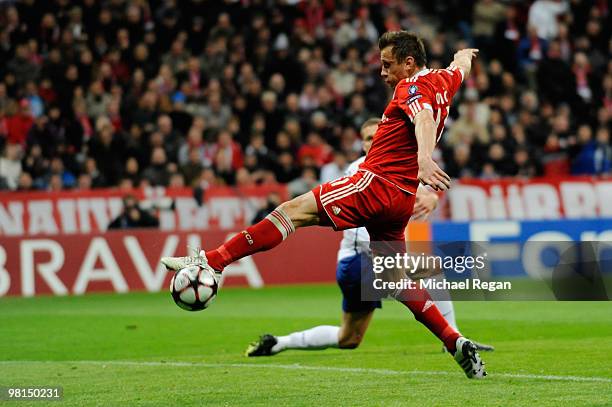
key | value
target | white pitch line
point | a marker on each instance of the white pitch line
(387, 372)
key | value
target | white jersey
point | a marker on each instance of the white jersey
(354, 241)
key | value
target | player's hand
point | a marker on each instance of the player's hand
(469, 53)
(432, 175)
(424, 205)
(463, 59)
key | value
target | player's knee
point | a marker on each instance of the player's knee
(300, 211)
(349, 345)
(289, 207)
(351, 341)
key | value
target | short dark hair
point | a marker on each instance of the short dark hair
(404, 45)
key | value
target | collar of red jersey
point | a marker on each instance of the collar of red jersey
(422, 72)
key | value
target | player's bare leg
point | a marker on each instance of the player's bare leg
(277, 226)
(353, 329)
(347, 336)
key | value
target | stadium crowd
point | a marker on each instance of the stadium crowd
(194, 92)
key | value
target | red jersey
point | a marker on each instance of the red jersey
(393, 155)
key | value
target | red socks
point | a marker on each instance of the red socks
(262, 236)
(426, 312)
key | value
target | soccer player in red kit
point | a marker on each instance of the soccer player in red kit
(381, 195)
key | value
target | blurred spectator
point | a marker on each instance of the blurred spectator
(307, 181)
(229, 154)
(194, 142)
(19, 122)
(10, 166)
(272, 115)
(192, 167)
(488, 172)
(592, 156)
(334, 169)
(523, 164)
(506, 38)
(583, 76)
(84, 182)
(343, 79)
(544, 16)
(531, 51)
(107, 150)
(357, 113)
(460, 165)
(216, 113)
(55, 183)
(487, 13)
(264, 157)
(286, 168)
(132, 171)
(156, 173)
(97, 100)
(271, 203)
(133, 217)
(499, 158)
(25, 182)
(98, 180)
(37, 106)
(171, 137)
(364, 22)
(176, 181)
(315, 149)
(22, 66)
(467, 129)
(57, 169)
(555, 77)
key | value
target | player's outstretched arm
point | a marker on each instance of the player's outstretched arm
(463, 60)
(429, 172)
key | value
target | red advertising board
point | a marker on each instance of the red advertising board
(74, 212)
(533, 199)
(78, 212)
(123, 261)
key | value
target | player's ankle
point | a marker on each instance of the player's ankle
(450, 343)
(215, 260)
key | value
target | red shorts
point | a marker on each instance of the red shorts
(365, 199)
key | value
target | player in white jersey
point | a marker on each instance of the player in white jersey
(357, 314)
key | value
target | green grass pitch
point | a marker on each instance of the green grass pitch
(140, 349)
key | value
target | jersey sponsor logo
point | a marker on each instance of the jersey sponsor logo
(335, 209)
(412, 89)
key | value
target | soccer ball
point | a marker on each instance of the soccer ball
(193, 288)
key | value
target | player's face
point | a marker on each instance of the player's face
(393, 71)
(367, 135)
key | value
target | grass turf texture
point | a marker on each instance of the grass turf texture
(197, 358)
